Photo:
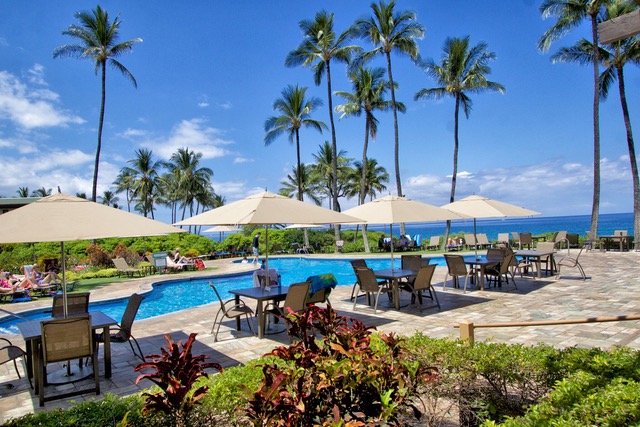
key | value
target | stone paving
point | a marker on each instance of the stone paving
(610, 290)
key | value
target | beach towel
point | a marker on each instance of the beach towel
(274, 277)
(321, 281)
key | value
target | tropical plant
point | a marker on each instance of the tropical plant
(464, 69)
(322, 170)
(82, 195)
(374, 181)
(189, 178)
(109, 198)
(303, 180)
(295, 112)
(176, 372)
(569, 15)
(146, 180)
(98, 36)
(613, 57)
(124, 182)
(41, 192)
(319, 47)
(390, 31)
(23, 192)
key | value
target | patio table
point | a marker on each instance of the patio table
(482, 263)
(536, 256)
(394, 275)
(261, 295)
(624, 241)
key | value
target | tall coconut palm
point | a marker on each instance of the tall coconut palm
(41, 192)
(184, 165)
(569, 15)
(374, 182)
(145, 171)
(369, 87)
(309, 181)
(295, 112)
(392, 31)
(109, 198)
(124, 182)
(98, 37)
(463, 70)
(613, 57)
(318, 48)
(23, 192)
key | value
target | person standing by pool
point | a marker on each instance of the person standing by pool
(256, 247)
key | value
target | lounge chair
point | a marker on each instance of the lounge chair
(483, 240)
(62, 340)
(504, 238)
(297, 248)
(10, 353)
(570, 262)
(229, 310)
(124, 268)
(457, 268)
(470, 241)
(277, 248)
(434, 243)
(123, 330)
(369, 284)
(516, 238)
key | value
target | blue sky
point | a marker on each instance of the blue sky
(209, 71)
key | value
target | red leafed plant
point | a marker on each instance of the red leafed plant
(176, 371)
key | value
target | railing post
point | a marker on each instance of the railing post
(466, 331)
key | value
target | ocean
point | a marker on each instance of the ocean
(575, 224)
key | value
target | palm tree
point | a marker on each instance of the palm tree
(463, 70)
(570, 14)
(295, 113)
(41, 192)
(369, 88)
(124, 182)
(97, 36)
(82, 195)
(374, 182)
(109, 198)
(390, 31)
(144, 170)
(614, 57)
(190, 178)
(309, 184)
(23, 192)
(319, 47)
(322, 170)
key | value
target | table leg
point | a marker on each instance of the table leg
(481, 278)
(107, 352)
(260, 314)
(538, 267)
(237, 302)
(396, 293)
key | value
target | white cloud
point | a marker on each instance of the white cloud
(133, 133)
(192, 134)
(203, 102)
(241, 159)
(225, 105)
(31, 108)
(36, 75)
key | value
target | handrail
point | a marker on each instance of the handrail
(467, 327)
(13, 314)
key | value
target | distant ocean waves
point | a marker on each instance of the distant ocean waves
(576, 224)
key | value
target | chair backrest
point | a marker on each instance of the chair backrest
(470, 239)
(66, 339)
(219, 298)
(358, 263)
(120, 263)
(496, 254)
(506, 263)
(76, 304)
(526, 239)
(320, 296)
(126, 324)
(366, 279)
(503, 237)
(417, 241)
(483, 239)
(560, 236)
(456, 265)
(546, 246)
(295, 246)
(411, 262)
(516, 237)
(621, 233)
(297, 296)
(423, 279)
(434, 241)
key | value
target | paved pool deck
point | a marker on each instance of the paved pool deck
(612, 289)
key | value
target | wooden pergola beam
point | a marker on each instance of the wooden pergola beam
(620, 28)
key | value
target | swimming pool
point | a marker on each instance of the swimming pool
(174, 295)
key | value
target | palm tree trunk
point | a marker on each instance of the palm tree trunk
(334, 149)
(632, 155)
(396, 147)
(298, 171)
(363, 184)
(452, 197)
(596, 129)
(94, 191)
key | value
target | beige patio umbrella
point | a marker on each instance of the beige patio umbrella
(221, 229)
(475, 206)
(266, 209)
(394, 210)
(63, 218)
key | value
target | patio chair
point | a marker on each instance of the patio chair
(369, 284)
(592, 241)
(411, 262)
(229, 310)
(503, 269)
(422, 283)
(525, 240)
(123, 330)
(11, 353)
(296, 301)
(320, 287)
(546, 247)
(124, 268)
(434, 243)
(520, 265)
(570, 262)
(356, 263)
(516, 238)
(560, 239)
(66, 339)
(457, 268)
(76, 304)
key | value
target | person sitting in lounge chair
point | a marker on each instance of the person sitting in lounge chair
(7, 287)
(179, 259)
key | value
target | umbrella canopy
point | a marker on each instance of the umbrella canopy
(292, 226)
(394, 209)
(221, 229)
(483, 207)
(63, 218)
(266, 209)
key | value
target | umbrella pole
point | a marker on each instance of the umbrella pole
(475, 237)
(266, 255)
(391, 244)
(64, 281)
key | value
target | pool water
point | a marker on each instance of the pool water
(174, 295)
